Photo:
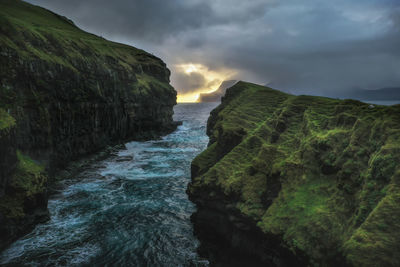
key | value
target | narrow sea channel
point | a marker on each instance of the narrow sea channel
(130, 209)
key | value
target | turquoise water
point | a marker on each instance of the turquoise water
(128, 210)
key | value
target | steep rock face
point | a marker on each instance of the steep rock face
(8, 146)
(298, 180)
(218, 94)
(68, 93)
(23, 199)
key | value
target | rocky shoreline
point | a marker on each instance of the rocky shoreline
(66, 94)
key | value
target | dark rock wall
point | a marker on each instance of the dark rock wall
(62, 114)
(298, 180)
(8, 157)
(71, 93)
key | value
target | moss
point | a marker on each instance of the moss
(35, 33)
(6, 120)
(72, 93)
(29, 175)
(376, 241)
(149, 85)
(314, 171)
(28, 180)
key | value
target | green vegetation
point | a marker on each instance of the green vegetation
(322, 174)
(34, 33)
(6, 120)
(39, 25)
(68, 93)
(28, 181)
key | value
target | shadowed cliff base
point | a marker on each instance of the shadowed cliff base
(229, 239)
(64, 94)
(317, 177)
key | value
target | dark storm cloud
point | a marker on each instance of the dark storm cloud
(153, 20)
(318, 48)
(313, 46)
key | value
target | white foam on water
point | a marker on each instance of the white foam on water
(132, 210)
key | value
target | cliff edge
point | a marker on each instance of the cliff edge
(218, 94)
(298, 180)
(66, 93)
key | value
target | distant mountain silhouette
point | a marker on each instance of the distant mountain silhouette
(216, 95)
(383, 94)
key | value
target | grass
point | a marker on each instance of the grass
(22, 18)
(315, 171)
(34, 33)
(55, 78)
(6, 120)
(28, 180)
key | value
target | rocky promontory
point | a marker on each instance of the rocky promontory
(218, 94)
(298, 180)
(66, 93)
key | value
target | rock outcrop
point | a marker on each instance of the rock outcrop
(298, 180)
(218, 94)
(65, 93)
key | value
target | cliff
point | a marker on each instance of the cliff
(298, 180)
(218, 94)
(65, 93)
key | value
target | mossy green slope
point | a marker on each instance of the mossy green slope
(49, 66)
(321, 174)
(28, 183)
(37, 33)
(66, 93)
(44, 40)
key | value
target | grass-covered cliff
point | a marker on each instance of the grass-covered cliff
(300, 178)
(65, 93)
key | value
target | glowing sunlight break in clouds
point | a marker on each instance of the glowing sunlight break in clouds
(209, 80)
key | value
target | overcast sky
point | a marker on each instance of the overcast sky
(304, 46)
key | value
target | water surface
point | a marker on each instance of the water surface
(128, 210)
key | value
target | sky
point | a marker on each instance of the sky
(299, 46)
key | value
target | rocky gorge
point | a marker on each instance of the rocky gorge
(87, 176)
(64, 94)
(297, 181)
